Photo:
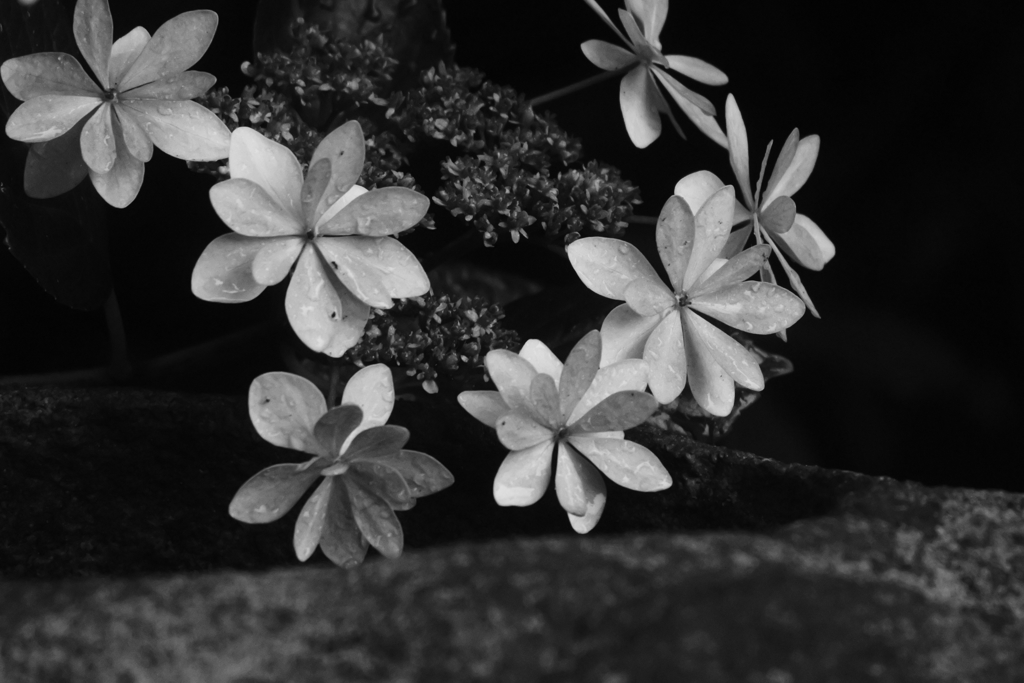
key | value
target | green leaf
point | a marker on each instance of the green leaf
(334, 427)
(271, 493)
(622, 410)
(375, 519)
(579, 371)
(386, 482)
(374, 442)
(341, 540)
(779, 215)
(177, 44)
(423, 474)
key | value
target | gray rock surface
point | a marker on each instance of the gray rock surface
(747, 570)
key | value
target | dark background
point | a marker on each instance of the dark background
(915, 367)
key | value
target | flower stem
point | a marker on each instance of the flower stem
(332, 394)
(458, 247)
(120, 365)
(642, 220)
(579, 85)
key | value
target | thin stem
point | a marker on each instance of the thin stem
(332, 393)
(580, 85)
(642, 220)
(120, 365)
(460, 246)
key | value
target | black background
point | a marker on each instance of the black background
(914, 370)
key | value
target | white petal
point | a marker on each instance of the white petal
(374, 269)
(624, 333)
(732, 356)
(651, 15)
(628, 464)
(697, 69)
(486, 406)
(626, 375)
(607, 56)
(284, 408)
(665, 353)
(799, 169)
(710, 385)
(223, 272)
(184, 129)
(372, 389)
(649, 298)
(323, 314)
(697, 188)
(712, 225)
(739, 155)
(575, 483)
(268, 164)
(607, 266)
(512, 375)
(248, 209)
(807, 244)
(524, 476)
(274, 261)
(517, 431)
(637, 102)
(542, 359)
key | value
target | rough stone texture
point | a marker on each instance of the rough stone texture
(747, 570)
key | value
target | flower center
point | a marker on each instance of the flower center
(683, 299)
(110, 95)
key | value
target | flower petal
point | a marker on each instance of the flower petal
(651, 16)
(224, 270)
(537, 354)
(628, 464)
(807, 244)
(624, 333)
(375, 269)
(626, 375)
(384, 481)
(135, 139)
(380, 212)
(739, 363)
(372, 389)
(697, 69)
(99, 146)
(754, 307)
(579, 371)
(517, 431)
(607, 266)
(186, 85)
(799, 169)
(782, 164)
(270, 165)
(544, 401)
(375, 519)
(523, 476)
(322, 312)
(94, 33)
(310, 524)
(512, 375)
(739, 155)
(368, 443)
(184, 129)
(341, 540)
(46, 117)
(712, 225)
(648, 298)
(313, 187)
(665, 354)
(574, 483)
(176, 45)
(334, 427)
(696, 189)
(736, 269)
(705, 123)
(423, 474)
(121, 184)
(344, 148)
(284, 408)
(601, 13)
(779, 215)
(123, 54)
(56, 166)
(597, 495)
(47, 73)
(794, 282)
(607, 56)
(674, 235)
(636, 100)
(486, 406)
(248, 209)
(710, 384)
(272, 492)
(678, 91)
(622, 410)
(737, 240)
(274, 261)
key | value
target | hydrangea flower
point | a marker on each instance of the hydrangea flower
(367, 474)
(107, 130)
(639, 96)
(576, 410)
(333, 231)
(775, 220)
(662, 324)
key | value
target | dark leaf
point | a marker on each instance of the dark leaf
(333, 428)
(272, 492)
(377, 441)
(340, 539)
(386, 482)
(423, 474)
(375, 519)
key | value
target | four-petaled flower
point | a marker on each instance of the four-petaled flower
(367, 474)
(576, 409)
(775, 220)
(333, 231)
(662, 324)
(108, 130)
(639, 96)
